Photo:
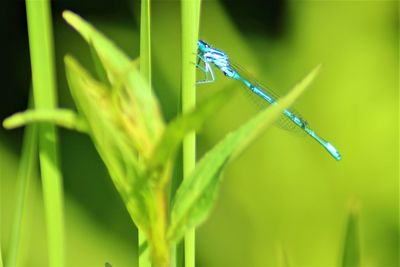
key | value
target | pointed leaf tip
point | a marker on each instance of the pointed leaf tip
(69, 16)
(351, 247)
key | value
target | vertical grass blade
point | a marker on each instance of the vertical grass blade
(351, 248)
(1, 219)
(190, 31)
(145, 41)
(26, 168)
(44, 91)
(145, 71)
(1, 255)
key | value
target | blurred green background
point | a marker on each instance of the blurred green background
(285, 195)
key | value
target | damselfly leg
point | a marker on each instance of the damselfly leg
(206, 69)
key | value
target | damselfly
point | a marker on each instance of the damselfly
(209, 56)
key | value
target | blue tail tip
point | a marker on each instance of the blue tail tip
(333, 151)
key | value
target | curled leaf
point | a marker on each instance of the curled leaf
(139, 108)
(61, 117)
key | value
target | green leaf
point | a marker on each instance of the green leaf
(145, 41)
(137, 102)
(94, 103)
(61, 117)
(194, 198)
(44, 84)
(125, 123)
(26, 169)
(101, 72)
(145, 71)
(351, 249)
(185, 123)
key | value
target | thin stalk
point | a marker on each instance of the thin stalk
(145, 70)
(44, 91)
(190, 29)
(26, 168)
(145, 41)
(1, 258)
(1, 219)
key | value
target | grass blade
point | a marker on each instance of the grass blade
(190, 31)
(145, 71)
(145, 41)
(194, 198)
(351, 248)
(44, 91)
(26, 168)
(1, 255)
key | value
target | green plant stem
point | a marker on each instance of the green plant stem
(190, 25)
(26, 168)
(1, 219)
(1, 258)
(145, 71)
(145, 41)
(44, 90)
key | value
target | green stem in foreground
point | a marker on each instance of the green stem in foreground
(1, 256)
(44, 91)
(145, 71)
(25, 171)
(145, 41)
(190, 26)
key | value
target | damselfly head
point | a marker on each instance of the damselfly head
(203, 46)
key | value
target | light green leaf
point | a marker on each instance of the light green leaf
(194, 198)
(351, 248)
(1, 258)
(145, 71)
(61, 117)
(101, 72)
(26, 169)
(137, 101)
(185, 123)
(145, 40)
(125, 123)
(94, 103)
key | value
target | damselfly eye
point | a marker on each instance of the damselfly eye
(204, 43)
